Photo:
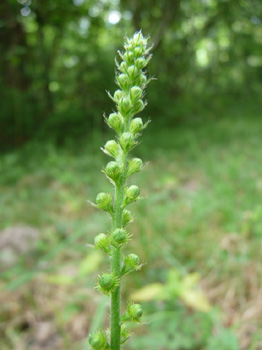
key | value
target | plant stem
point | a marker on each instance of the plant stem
(116, 260)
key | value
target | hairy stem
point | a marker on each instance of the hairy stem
(116, 260)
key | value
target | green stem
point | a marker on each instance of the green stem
(116, 261)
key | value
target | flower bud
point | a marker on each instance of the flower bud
(141, 80)
(140, 62)
(138, 51)
(98, 341)
(132, 194)
(118, 95)
(129, 57)
(123, 81)
(125, 106)
(119, 237)
(112, 170)
(135, 312)
(123, 67)
(139, 106)
(135, 93)
(103, 200)
(127, 217)
(125, 333)
(115, 122)
(136, 125)
(132, 72)
(127, 141)
(134, 165)
(131, 263)
(112, 148)
(102, 242)
(107, 283)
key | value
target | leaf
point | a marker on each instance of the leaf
(60, 279)
(150, 292)
(90, 263)
(196, 300)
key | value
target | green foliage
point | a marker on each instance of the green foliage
(57, 61)
(209, 192)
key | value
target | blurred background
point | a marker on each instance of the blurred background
(200, 229)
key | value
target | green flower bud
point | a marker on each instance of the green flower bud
(138, 51)
(107, 283)
(140, 63)
(139, 40)
(132, 194)
(131, 263)
(135, 93)
(139, 106)
(123, 67)
(125, 106)
(123, 81)
(112, 148)
(141, 81)
(115, 122)
(113, 170)
(134, 165)
(129, 57)
(98, 341)
(102, 242)
(103, 201)
(118, 95)
(127, 217)
(136, 125)
(135, 312)
(125, 333)
(119, 237)
(132, 72)
(127, 141)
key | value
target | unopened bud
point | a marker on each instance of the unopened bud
(132, 193)
(142, 80)
(125, 106)
(107, 283)
(139, 106)
(103, 200)
(125, 333)
(140, 63)
(112, 148)
(123, 67)
(135, 93)
(123, 81)
(131, 263)
(119, 237)
(113, 170)
(98, 341)
(118, 95)
(102, 242)
(130, 57)
(135, 312)
(132, 72)
(138, 51)
(136, 125)
(134, 166)
(115, 122)
(127, 141)
(127, 217)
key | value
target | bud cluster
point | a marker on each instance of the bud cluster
(131, 79)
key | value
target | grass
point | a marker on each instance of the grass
(204, 188)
